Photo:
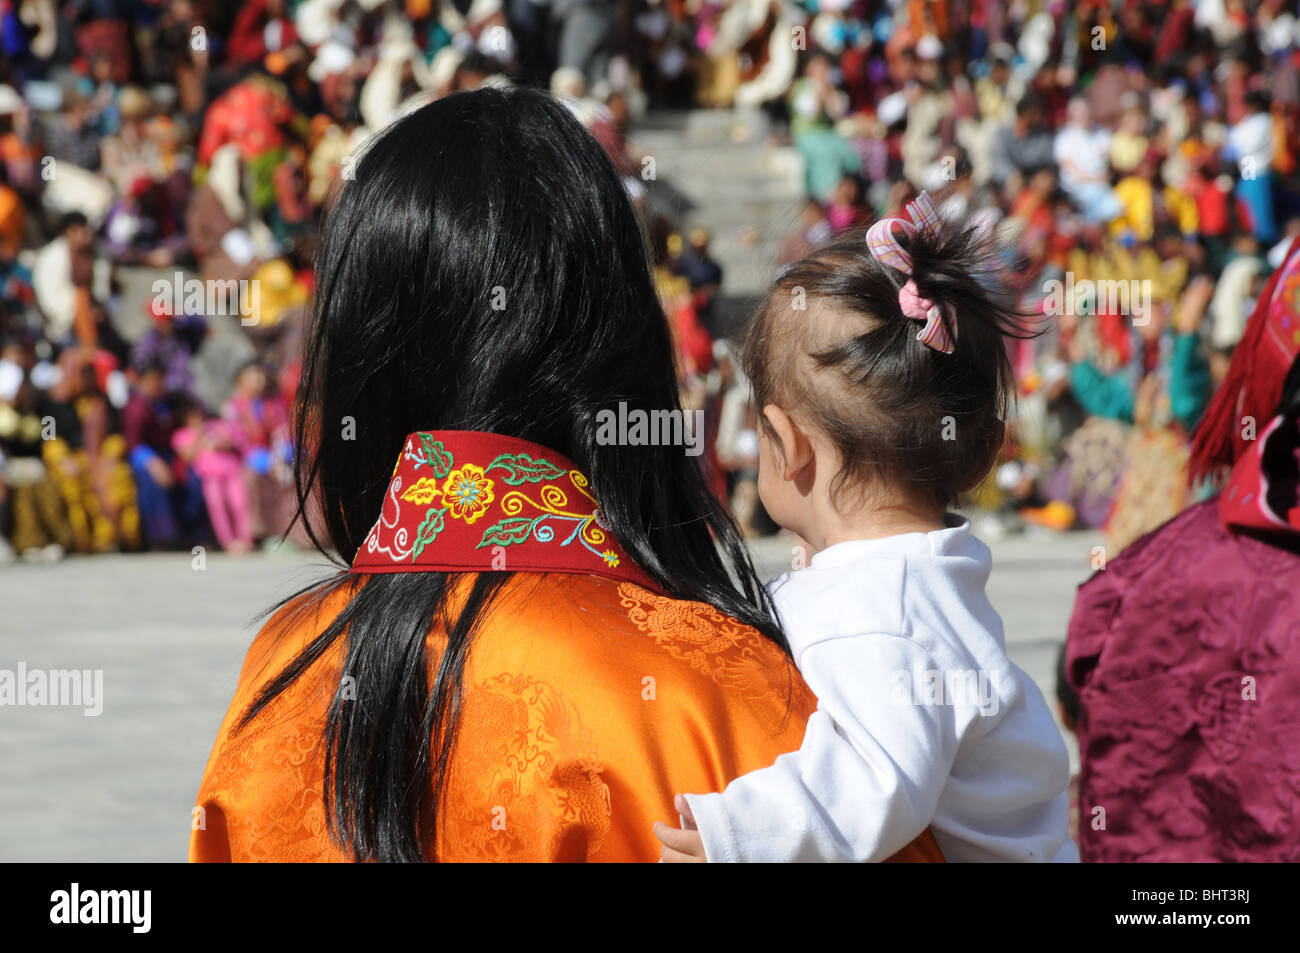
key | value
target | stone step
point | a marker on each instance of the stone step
(778, 168)
(708, 125)
(747, 192)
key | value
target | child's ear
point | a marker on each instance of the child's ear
(796, 449)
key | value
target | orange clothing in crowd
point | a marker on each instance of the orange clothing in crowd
(12, 221)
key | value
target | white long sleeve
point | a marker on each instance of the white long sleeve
(922, 720)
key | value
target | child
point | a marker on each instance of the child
(882, 377)
(208, 446)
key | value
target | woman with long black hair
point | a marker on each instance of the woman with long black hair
(541, 636)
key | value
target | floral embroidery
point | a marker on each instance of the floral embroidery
(520, 467)
(528, 498)
(436, 456)
(554, 505)
(423, 491)
(428, 530)
(468, 493)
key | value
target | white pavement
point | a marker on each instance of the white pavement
(170, 639)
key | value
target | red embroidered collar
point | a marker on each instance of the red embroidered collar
(468, 501)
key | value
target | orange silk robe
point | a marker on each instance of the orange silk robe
(589, 703)
(589, 699)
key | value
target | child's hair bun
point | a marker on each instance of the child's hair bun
(919, 396)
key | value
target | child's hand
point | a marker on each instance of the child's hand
(680, 846)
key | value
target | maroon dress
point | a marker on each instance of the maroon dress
(1185, 652)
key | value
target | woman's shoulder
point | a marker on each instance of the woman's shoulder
(588, 703)
(601, 637)
(620, 634)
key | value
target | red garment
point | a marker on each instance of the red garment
(1174, 33)
(146, 423)
(247, 43)
(1185, 653)
(694, 345)
(1213, 206)
(258, 423)
(1253, 385)
(249, 114)
(110, 39)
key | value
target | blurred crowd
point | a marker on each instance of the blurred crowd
(1135, 160)
(1134, 163)
(163, 168)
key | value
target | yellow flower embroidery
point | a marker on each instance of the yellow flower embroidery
(423, 491)
(611, 557)
(467, 493)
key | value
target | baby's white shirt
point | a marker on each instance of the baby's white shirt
(922, 719)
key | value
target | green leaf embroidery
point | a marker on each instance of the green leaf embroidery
(520, 467)
(429, 529)
(438, 456)
(516, 529)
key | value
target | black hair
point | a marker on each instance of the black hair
(1281, 459)
(1289, 403)
(1065, 693)
(896, 409)
(1031, 102)
(1257, 100)
(478, 199)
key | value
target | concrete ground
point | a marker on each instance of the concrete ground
(169, 639)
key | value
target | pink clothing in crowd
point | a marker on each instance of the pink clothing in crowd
(221, 474)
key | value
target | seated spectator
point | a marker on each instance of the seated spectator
(171, 342)
(1024, 146)
(170, 496)
(40, 530)
(208, 447)
(259, 425)
(1080, 150)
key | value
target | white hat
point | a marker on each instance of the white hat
(11, 378)
(825, 32)
(10, 101)
(568, 82)
(333, 57)
(315, 20)
(892, 108)
(928, 47)
(480, 10)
